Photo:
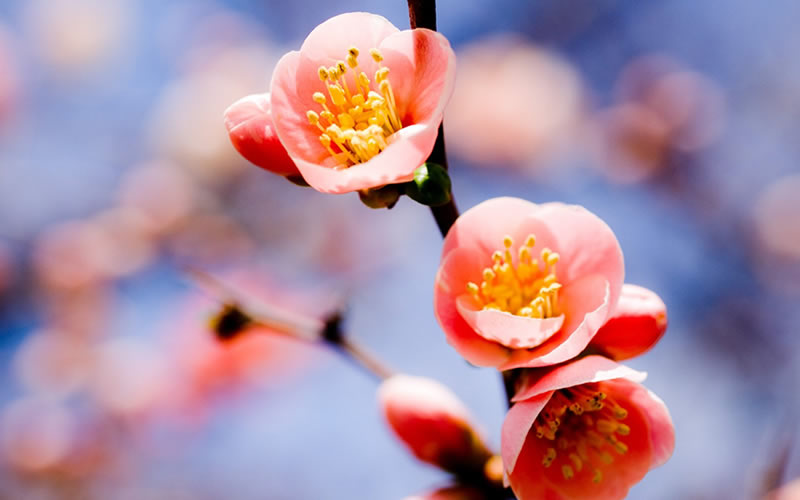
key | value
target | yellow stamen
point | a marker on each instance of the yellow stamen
(364, 119)
(523, 289)
(584, 443)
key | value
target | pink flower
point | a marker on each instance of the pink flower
(526, 285)
(360, 104)
(585, 429)
(249, 124)
(639, 321)
(433, 423)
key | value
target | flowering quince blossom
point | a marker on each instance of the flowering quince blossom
(584, 429)
(249, 125)
(433, 423)
(359, 105)
(501, 306)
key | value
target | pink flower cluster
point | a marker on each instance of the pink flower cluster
(537, 290)
(540, 289)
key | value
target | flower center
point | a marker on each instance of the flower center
(358, 121)
(584, 426)
(526, 289)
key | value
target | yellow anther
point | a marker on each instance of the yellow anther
(606, 426)
(620, 413)
(313, 118)
(384, 87)
(381, 75)
(333, 71)
(597, 476)
(376, 55)
(567, 472)
(623, 430)
(323, 73)
(327, 115)
(319, 97)
(576, 461)
(357, 101)
(325, 139)
(507, 241)
(620, 447)
(552, 259)
(337, 95)
(341, 68)
(530, 241)
(346, 121)
(352, 62)
(353, 52)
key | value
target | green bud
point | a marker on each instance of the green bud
(382, 197)
(431, 185)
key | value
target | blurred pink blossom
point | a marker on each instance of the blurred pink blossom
(433, 423)
(515, 104)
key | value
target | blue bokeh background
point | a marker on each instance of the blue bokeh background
(82, 120)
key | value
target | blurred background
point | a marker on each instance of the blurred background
(676, 122)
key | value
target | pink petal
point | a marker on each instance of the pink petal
(453, 276)
(638, 323)
(662, 431)
(423, 67)
(586, 305)
(249, 125)
(581, 371)
(330, 41)
(517, 424)
(517, 332)
(586, 245)
(485, 225)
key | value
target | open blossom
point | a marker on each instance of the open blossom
(526, 285)
(359, 105)
(433, 423)
(585, 429)
(249, 125)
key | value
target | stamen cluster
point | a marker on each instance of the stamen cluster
(523, 290)
(582, 424)
(356, 125)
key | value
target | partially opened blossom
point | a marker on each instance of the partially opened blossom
(585, 429)
(250, 128)
(433, 423)
(359, 105)
(639, 321)
(526, 285)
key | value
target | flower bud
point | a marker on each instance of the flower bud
(251, 130)
(431, 185)
(433, 423)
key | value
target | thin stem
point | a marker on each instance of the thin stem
(422, 14)
(235, 318)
